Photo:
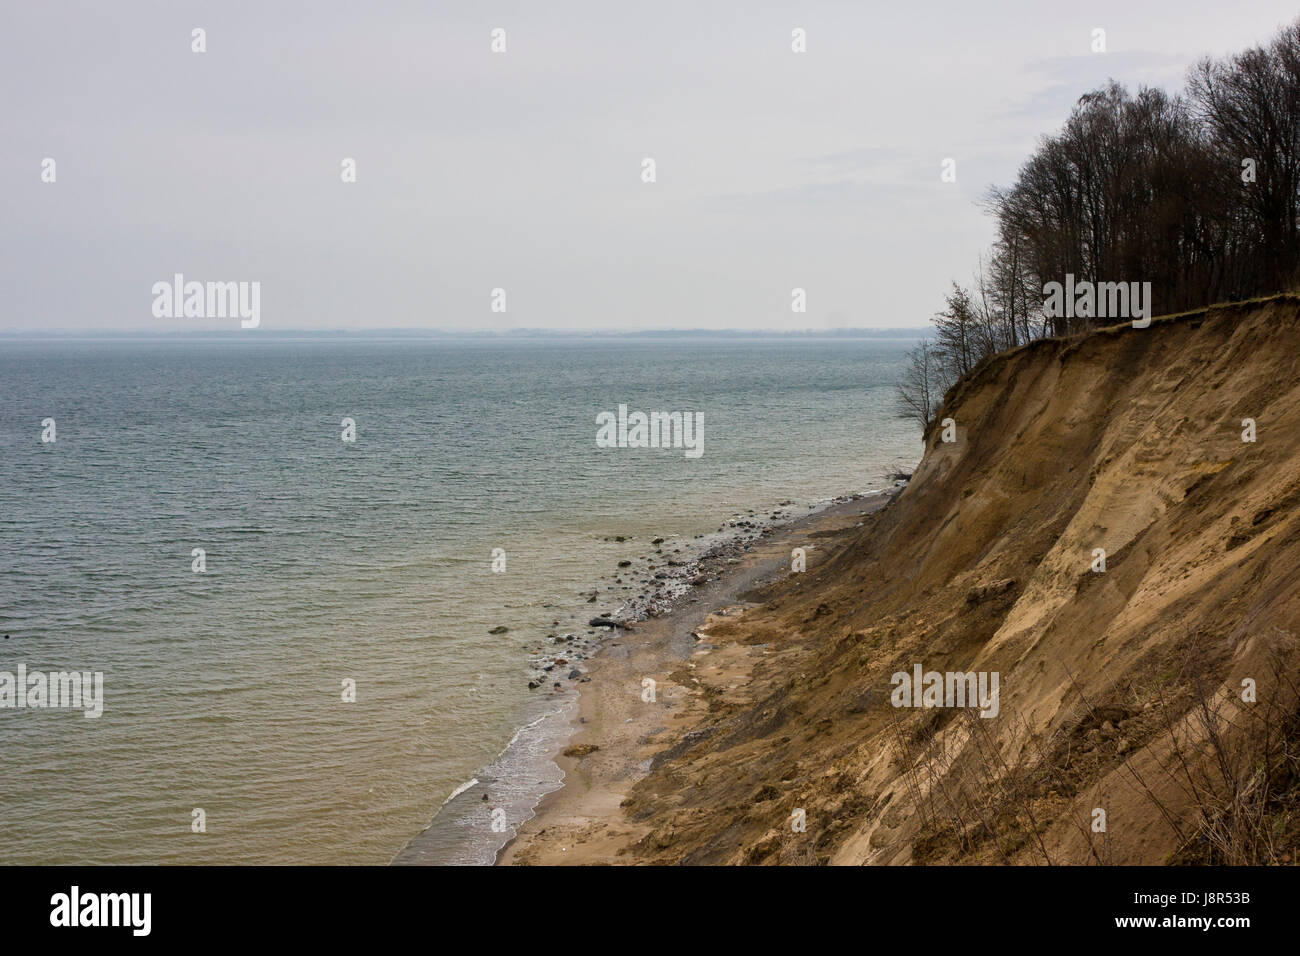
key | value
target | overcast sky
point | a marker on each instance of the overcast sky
(523, 170)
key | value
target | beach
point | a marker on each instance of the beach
(618, 730)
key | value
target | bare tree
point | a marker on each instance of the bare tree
(957, 345)
(919, 393)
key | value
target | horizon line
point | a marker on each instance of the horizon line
(414, 331)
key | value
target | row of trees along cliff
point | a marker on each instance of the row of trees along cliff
(1197, 193)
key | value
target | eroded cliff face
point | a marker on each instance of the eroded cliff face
(1119, 691)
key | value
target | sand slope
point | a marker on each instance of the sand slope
(1120, 691)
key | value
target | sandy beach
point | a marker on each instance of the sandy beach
(619, 731)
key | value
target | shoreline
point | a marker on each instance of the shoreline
(614, 736)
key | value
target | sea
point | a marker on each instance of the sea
(287, 555)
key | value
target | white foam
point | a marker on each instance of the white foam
(459, 790)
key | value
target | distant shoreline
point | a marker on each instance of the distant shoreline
(226, 334)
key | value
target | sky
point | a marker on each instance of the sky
(523, 170)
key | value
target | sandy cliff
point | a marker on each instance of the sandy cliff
(1120, 691)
